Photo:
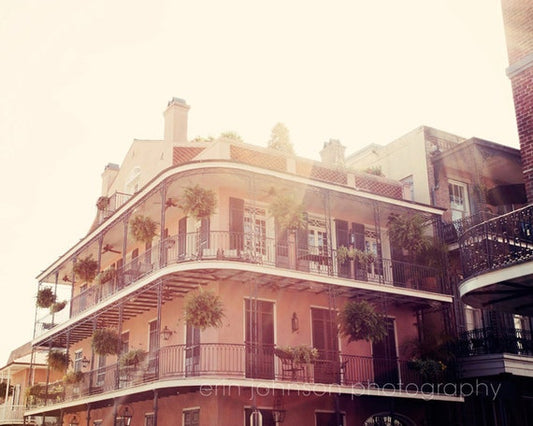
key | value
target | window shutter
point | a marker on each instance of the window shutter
(236, 223)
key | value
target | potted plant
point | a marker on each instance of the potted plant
(107, 275)
(301, 354)
(204, 309)
(57, 306)
(132, 358)
(85, 268)
(198, 202)
(289, 214)
(106, 341)
(73, 377)
(406, 231)
(431, 370)
(143, 228)
(361, 321)
(58, 360)
(102, 203)
(45, 297)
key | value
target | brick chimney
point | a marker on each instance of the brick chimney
(176, 120)
(518, 24)
(333, 153)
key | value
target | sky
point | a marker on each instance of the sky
(79, 80)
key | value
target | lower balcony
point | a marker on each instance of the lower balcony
(205, 362)
(11, 414)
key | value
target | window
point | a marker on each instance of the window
(328, 419)
(267, 419)
(149, 419)
(458, 200)
(153, 344)
(191, 417)
(317, 244)
(100, 375)
(125, 342)
(78, 355)
(473, 318)
(255, 230)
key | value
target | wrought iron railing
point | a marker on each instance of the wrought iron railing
(244, 361)
(11, 414)
(498, 243)
(488, 340)
(238, 247)
(450, 232)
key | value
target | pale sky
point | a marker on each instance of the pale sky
(81, 79)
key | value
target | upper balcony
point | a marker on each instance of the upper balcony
(497, 263)
(242, 239)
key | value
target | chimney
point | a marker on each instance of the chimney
(333, 153)
(176, 120)
(108, 177)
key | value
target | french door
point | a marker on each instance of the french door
(259, 324)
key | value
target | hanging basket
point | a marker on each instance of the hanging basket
(143, 228)
(73, 377)
(45, 297)
(132, 358)
(57, 306)
(289, 214)
(106, 341)
(102, 203)
(203, 309)
(58, 360)
(360, 321)
(86, 269)
(199, 202)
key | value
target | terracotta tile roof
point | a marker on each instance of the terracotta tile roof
(182, 154)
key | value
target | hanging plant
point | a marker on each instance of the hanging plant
(45, 297)
(102, 203)
(58, 306)
(143, 229)
(363, 258)
(360, 321)
(86, 268)
(203, 309)
(431, 370)
(289, 214)
(58, 360)
(106, 341)
(132, 358)
(73, 377)
(300, 354)
(199, 202)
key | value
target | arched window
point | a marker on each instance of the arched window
(388, 419)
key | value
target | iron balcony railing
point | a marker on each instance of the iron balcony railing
(450, 232)
(490, 340)
(498, 243)
(242, 361)
(234, 247)
(11, 414)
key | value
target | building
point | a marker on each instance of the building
(281, 244)
(486, 229)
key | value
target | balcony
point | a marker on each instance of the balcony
(450, 232)
(490, 352)
(242, 363)
(496, 257)
(222, 246)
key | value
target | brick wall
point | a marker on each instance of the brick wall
(518, 23)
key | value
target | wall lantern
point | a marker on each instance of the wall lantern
(166, 333)
(295, 322)
(85, 362)
(74, 421)
(125, 414)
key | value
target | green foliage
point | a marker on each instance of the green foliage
(102, 203)
(431, 370)
(363, 258)
(407, 231)
(3, 388)
(280, 140)
(57, 306)
(374, 170)
(289, 214)
(132, 358)
(203, 309)
(73, 377)
(301, 354)
(143, 228)
(58, 360)
(86, 268)
(231, 136)
(360, 321)
(199, 139)
(45, 297)
(39, 392)
(107, 275)
(106, 341)
(199, 202)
